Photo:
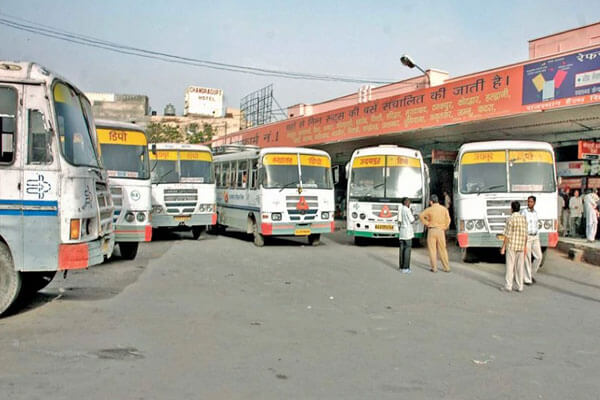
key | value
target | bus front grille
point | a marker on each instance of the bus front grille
(106, 208)
(117, 196)
(179, 201)
(498, 211)
(306, 210)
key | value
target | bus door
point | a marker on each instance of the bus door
(41, 228)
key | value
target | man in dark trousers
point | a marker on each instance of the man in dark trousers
(405, 234)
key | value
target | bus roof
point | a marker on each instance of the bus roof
(179, 146)
(109, 124)
(505, 144)
(256, 153)
(387, 149)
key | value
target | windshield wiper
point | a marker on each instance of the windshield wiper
(288, 184)
(162, 176)
(485, 188)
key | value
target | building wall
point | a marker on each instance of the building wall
(565, 41)
(229, 123)
(120, 107)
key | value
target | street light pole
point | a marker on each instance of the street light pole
(407, 61)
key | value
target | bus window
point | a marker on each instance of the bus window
(254, 174)
(242, 174)
(8, 110)
(39, 142)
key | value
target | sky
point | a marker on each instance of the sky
(354, 38)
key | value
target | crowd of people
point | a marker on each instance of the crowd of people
(521, 245)
(575, 211)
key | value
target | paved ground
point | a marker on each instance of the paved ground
(220, 318)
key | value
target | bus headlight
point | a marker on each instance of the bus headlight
(129, 217)
(548, 224)
(479, 224)
(324, 215)
(141, 217)
(470, 225)
(276, 216)
(362, 216)
(354, 215)
(201, 208)
(157, 209)
(540, 224)
(209, 208)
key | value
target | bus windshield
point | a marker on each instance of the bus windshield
(486, 172)
(531, 171)
(124, 153)
(381, 176)
(281, 171)
(74, 126)
(196, 166)
(164, 167)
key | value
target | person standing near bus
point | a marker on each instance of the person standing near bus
(533, 259)
(590, 202)
(437, 220)
(515, 248)
(564, 216)
(575, 212)
(405, 234)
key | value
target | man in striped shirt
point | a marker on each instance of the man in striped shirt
(514, 246)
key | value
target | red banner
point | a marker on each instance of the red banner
(588, 149)
(443, 156)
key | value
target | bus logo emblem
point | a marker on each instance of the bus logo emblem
(385, 212)
(302, 205)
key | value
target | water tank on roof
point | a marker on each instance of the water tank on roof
(170, 110)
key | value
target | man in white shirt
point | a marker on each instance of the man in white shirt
(590, 205)
(575, 212)
(534, 250)
(405, 234)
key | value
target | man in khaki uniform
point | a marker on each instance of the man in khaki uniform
(437, 221)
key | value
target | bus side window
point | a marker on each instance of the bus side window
(8, 110)
(254, 174)
(39, 141)
(227, 172)
(242, 174)
(217, 174)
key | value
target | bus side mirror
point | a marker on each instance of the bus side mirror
(455, 174)
(347, 169)
(153, 148)
(559, 180)
(336, 174)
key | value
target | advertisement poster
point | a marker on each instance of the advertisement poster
(558, 78)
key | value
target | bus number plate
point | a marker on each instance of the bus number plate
(302, 232)
(183, 218)
(384, 227)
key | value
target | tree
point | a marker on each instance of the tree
(200, 136)
(163, 133)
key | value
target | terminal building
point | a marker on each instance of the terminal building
(554, 96)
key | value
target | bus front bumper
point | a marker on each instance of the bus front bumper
(133, 233)
(382, 234)
(83, 255)
(171, 221)
(486, 239)
(292, 229)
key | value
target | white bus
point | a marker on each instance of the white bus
(55, 207)
(183, 187)
(124, 150)
(277, 191)
(378, 178)
(488, 176)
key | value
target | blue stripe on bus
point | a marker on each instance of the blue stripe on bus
(10, 212)
(40, 213)
(31, 202)
(239, 207)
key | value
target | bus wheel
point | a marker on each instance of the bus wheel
(128, 250)
(359, 240)
(33, 282)
(259, 239)
(10, 280)
(314, 239)
(467, 256)
(197, 231)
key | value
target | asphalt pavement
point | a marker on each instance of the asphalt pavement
(219, 318)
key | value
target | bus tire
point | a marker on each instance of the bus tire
(467, 255)
(197, 231)
(33, 282)
(359, 240)
(544, 255)
(314, 239)
(128, 250)
(10, 280)
(259, 239)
